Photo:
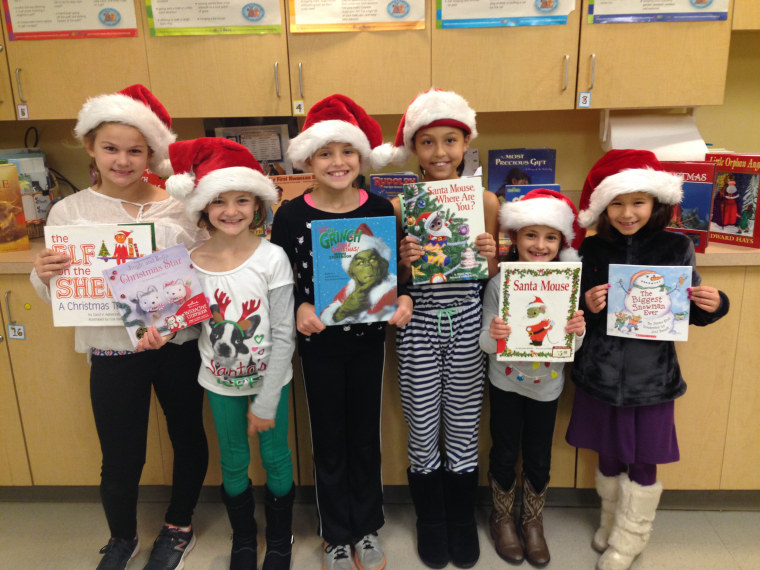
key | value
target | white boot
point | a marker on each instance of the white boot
(632, 528)
(607, 488)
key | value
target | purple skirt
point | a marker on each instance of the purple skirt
(642, 434)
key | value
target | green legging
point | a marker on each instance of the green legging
(232, 430)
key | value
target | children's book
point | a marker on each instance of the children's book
(537, 300)
(649, 303)
(512, 194)
(80, 296)
(289, 186)
(354, 269)
(446, 216)
(692, 216)
(517, 166)
(391, 185)
(735, 199)
(13, 233)
(160, 289)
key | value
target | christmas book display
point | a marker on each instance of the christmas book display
(391, 185)
(649, 303)
(446, 216)
(517, 166)
(692, 216)
(13, 233)
(536, 301)
(735, 199)
(79, 295)
(160, 289)
(289, 186)
(354, 269)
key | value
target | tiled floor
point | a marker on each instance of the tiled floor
(65, 536)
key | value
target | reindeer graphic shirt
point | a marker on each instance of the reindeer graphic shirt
(246, 347)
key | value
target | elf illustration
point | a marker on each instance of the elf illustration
(120, 250)
(537, 331)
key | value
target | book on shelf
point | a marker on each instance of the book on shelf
(354, 269)
(161, 289)
(391, 185)
(13, 232)
(692, 216)
(446, 216)
(517, 166)
(512, 194)
(289, 186)
(536, 300)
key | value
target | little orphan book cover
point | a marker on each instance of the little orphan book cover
(446, 216)
(160, 289)
(537, 300)
(354, 269)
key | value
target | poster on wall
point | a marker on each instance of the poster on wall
(226, 17)
(355, 15)
(489, 14)
(627, 11)
(267, 143)
(73, 19)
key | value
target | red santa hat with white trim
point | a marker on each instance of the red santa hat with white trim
(537, 303)
(367, 241)
(137, 107)
(624, 171)
(207, 167)
(542, 207)
(433, 108)
(336, 118)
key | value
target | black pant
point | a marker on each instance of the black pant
(344, 389)
(120, 388)
(517, 420)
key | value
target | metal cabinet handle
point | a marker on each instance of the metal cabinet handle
(18, 85)
(593, 71)
(567, 69)
(8, 308)
(300, 78)
(277, 78)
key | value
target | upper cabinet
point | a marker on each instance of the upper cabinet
(7, 106)
(54, 77)
(660, 64)
(746, 15)
(220, 76)
(525, 68)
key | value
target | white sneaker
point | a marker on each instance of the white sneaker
(338, 557)
(368, 554)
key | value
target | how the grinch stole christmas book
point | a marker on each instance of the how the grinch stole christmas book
(160, 289)
(354, 269)
(446, 216)
(537, 300)
(79, 295)
(649, 303)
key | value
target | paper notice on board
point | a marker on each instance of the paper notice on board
(352, 15)
(217, 17)
(626, 11)
(490, 14)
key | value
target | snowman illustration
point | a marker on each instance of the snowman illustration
(648, 301)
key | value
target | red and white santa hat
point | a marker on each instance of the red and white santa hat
(368, 241)
(542, 207)
(537, 303)
(207, 167)
(137, 107)
(336, 118)
(624, 172)
(433, 108)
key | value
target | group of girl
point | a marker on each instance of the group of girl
(218, 195)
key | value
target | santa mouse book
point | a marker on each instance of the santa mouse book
(649, 303)
(354, 269)
(536, 301)
(446, 216)
(160, 289)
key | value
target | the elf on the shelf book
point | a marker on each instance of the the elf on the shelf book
(446, 216)
(354, 269)
(735, 200)
(79, 295)
(537, 300)
(648, 303)
(160, 289)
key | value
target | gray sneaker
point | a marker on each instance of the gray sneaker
(368, 554)
(338, 557)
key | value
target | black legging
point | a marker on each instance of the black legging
(120, 389)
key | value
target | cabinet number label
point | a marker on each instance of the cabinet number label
(298, 108)
(16, 332)
(584, 100)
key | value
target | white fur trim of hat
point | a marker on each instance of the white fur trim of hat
(319, 135)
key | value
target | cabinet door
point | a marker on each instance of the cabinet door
(220, 76)
(746, 15)
(52, 383)
(56, 76)
(655, 64)
(7, 106)
(524, 68)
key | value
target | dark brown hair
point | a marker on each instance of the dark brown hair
(659, 220)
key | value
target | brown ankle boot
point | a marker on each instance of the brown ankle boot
(503, 531)
(532, 525)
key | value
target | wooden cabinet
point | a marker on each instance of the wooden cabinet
(7, 106)
(660, 64)
(54, 77)
(746, 15)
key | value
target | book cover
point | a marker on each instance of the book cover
(13, 234)
(537, 300)
(512, 194)
(354, 269)
(289, 186)
(692, 216)
(80, 295)
(518, 166)
(735, 199)
(446, 216)
(649, 303)
(391, 185)
(160, 289)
